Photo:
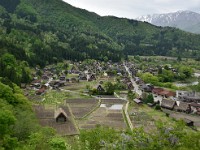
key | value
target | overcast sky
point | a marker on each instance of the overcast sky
(135, 8)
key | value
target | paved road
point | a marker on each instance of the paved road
(136, 87)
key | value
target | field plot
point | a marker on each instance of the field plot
(46, 117)
(146, 117)
(80, 85)
(82, 107)
(108, 114)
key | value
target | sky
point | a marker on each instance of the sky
(135, 8)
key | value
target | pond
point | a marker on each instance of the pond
(112, 107)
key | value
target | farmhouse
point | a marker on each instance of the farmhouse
(146, 87)
(164, 93)
(59, 119)
(130, 86)
(40, 91)
(168, 104)
(100, 88)
(183, 107)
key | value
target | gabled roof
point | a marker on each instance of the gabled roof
(137, 101)
(58, 112)
(182, 106)
(168, 104)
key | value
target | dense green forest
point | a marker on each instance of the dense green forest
(46, 31)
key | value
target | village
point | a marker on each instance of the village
(82, 95)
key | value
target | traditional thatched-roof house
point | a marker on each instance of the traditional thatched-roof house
(130, 86)
(91, 77)
(168, 104)
(183, 107)
(100, 88)
(74, 80)
(146, 87)
(62, 78)
(195, 108)
(59, 119)
(45, 77)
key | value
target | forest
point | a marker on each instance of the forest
(43, 32)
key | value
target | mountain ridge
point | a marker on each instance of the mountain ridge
(47, 31)
(184, 19)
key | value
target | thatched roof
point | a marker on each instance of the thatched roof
(169, 104)
(58, 112)
(182, 106)
(47, 118)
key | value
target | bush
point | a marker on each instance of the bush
(158, 107)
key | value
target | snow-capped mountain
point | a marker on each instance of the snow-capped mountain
(185, 20)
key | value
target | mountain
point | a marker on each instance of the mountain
(42, 32)
(185, 20)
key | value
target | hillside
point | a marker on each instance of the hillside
(46, 31)
(185, 20)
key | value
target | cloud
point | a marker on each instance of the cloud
(135, 8)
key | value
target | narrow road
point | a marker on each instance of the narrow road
(136, 87)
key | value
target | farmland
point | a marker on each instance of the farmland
(108, 114)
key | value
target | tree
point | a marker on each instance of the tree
(149, 78)
(149, 99)
(58, 143)
(131, 95)
(179, 58)
(109, 87)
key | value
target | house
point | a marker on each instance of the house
(74, 80)
(146, 87)
(138, 80)
(62, 78)
(157, 91)
(194, 107)
(82, 76)
(167, 94)
(36, 83)
(163, 92)
(168, 104)
(100, 88)
(188, 96)
(60, 115)
(130, 86)
(91, 77)
(183, 107)
(23, 85)
(190, 99)
(60, 119)
(137, 101)
(45, 77)
(40, 91)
